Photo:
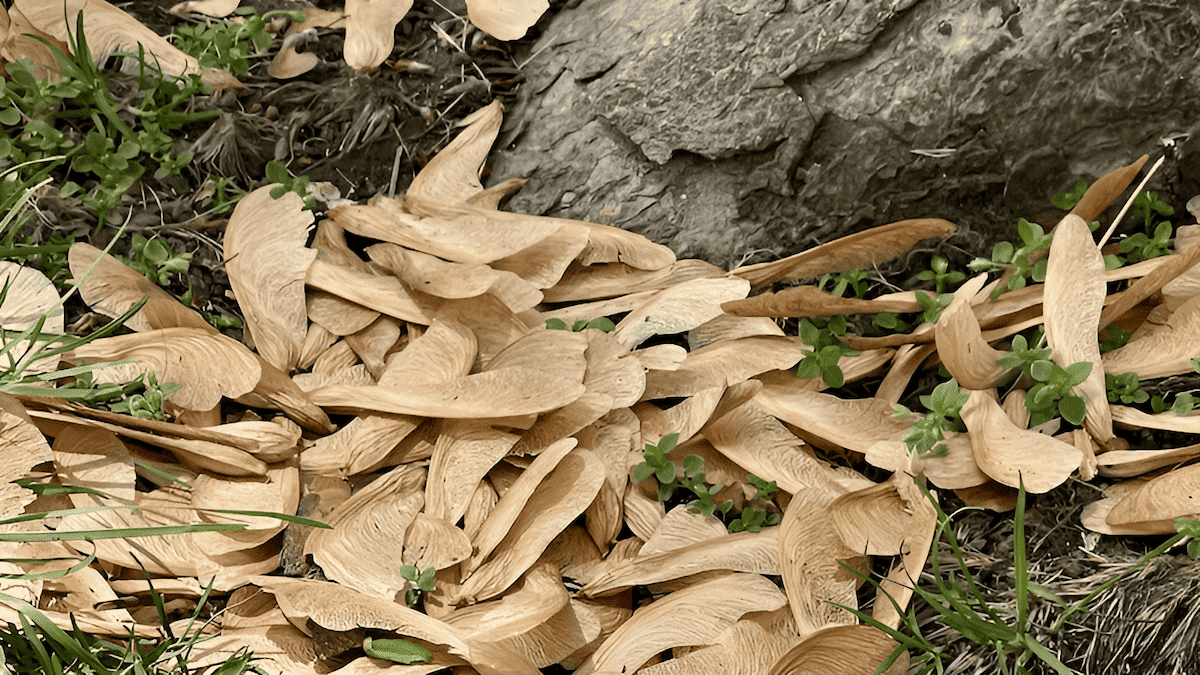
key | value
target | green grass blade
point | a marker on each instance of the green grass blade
(1020, 562)
(52, 633)
(271, 514)
(51, 575)
(125, 533)
(36, 648)
(155, 471)
(1046, 655)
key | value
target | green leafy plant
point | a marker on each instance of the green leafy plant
(1147, 204)
(926, 434)
(891, 321)
(1067, 200)
(155, 259)
(1141, 247)
(38, 123)
(1021, 356)
(1155, 241)
(827, 350)
(278, 173)
(693, 480)
(1114, 338)
(853, 279)
(1026, 265)
(230, 44)
(222, 202)
(931, 307)
(1182, 403)
(1125, 388)
(149, 403)
(422, 581)
(1050, 397)
(941, 275)
(39, 116)
(656, 464)
(602, 323)
(753, 519)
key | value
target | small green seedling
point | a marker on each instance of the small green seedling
(230, 44)
(854, 279)
(602, 323)
(1182, 403)
(278, 173)
(155, 259)
(1155, 241)
(149, 403)
(422, 581)
(1005, 255)
(693, 480)
(1051, 395)
(1140, 247)
(221, 200)
(926, 434)
(1022, 356)
(656, 464)
(941, 275)
(1147, 204)
(753, 519)
(827, 350)
(396, 650)
(1114, 338)
(931, 308)
(1125, 388)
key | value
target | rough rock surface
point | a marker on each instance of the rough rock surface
(750, 129)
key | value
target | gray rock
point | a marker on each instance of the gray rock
(735, 129)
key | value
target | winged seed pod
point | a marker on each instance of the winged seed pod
(1012, 455)
(1074, 300)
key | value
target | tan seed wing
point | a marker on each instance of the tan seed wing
(267, 261)
(1074, 300)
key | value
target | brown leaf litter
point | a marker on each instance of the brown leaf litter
(477, 442)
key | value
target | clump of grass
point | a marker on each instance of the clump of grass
(961, 605)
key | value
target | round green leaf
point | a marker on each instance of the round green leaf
(833, 376)
(665, 474)
(1078, 372)
(1072, 408)
(1003, 252)
(642, 471)
(1041, 370)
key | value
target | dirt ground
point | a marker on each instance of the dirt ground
(369, 134)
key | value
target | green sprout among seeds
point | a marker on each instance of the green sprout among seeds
(422, 581)
(602, 323)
